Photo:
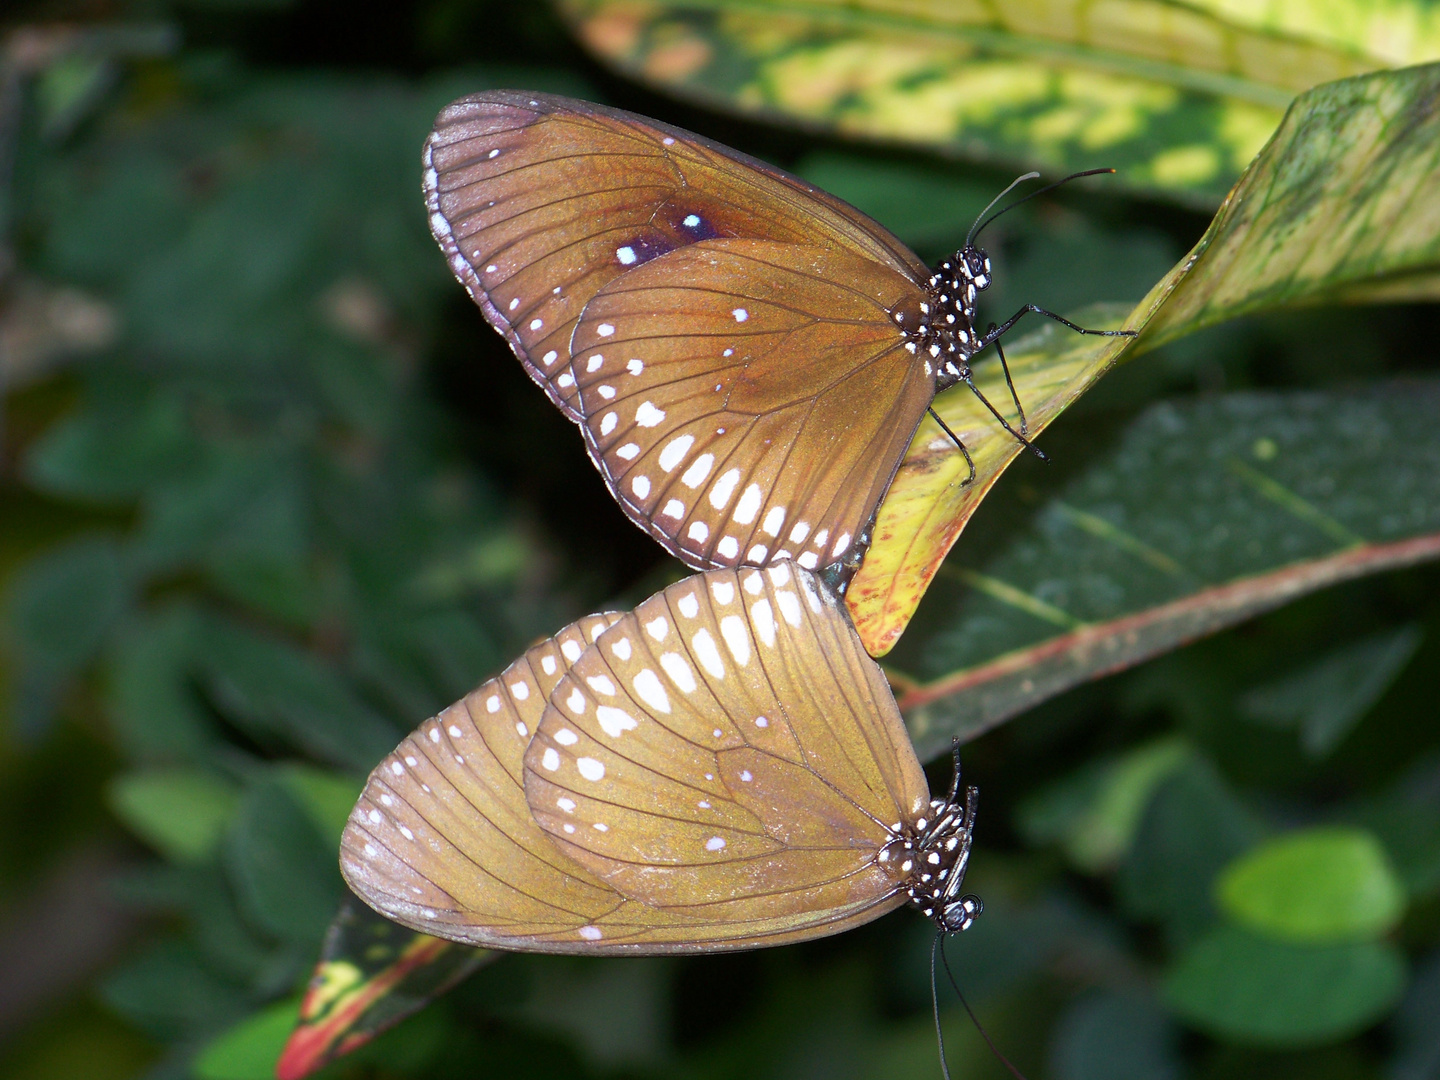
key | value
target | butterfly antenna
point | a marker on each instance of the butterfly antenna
(973, 1018)
(935, 1002)
(956, 440)
(955, 780)
(975, 230)
(1021, 439)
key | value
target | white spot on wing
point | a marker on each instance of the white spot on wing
(629, 451)
(621, 648)
(715, 843)
(590, 769)
(648, 415)
(590, 933)
(641, 486)
(626, 255)
(774, 518)
(607, 425)
(695, 475)
(728, 547)
(615, 721)
(657, 628)
(679, 671)
(740, 314)
(648, 686)
(732, 629)
(550, 759)
(708, 654)
(698, 531)
(571, 649)
(601, 684)
(674, 509)
(566, 737)
(723, 591)
(724, 488)
(675, 451)
(605, 329)
(689, 606)
(763, 620)
(749, 505)
(789, 605)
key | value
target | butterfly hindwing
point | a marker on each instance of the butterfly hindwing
(749, 401)
(729, 738)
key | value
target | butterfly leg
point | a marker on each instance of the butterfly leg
(956, 440)
(995, 332)
(1024, 424)
(1021, 439)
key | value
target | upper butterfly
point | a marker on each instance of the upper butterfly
(748, 356)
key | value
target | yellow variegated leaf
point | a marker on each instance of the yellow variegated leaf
(1343, 204)
(1177, 96)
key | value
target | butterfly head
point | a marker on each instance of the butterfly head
(932, 855)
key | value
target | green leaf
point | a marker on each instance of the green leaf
(250, 1049)
(152, 705)
(1314, 885)
(1204, 514)
(1249, 989)
(62, 603)
(1193, 827)
(181, 813)
(1326, 699)
(280, 694)
(1177, 99)
(372, 974)
(168, 991)
(1407, 820)
(1340, 205)
(284, 871)
(60, 606)
(327, 797)
(1094, 813)
(1115, 1036)
(123, 440)
(1417, 1036)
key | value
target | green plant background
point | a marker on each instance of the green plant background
(271, 493)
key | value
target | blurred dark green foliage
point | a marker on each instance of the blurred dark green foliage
(303, 498)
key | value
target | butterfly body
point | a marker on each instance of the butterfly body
(722, 768)
(747, 357)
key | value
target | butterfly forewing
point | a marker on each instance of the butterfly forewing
(749, 401)
(730, 738)
(442, 839)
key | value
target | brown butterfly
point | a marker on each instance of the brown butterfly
(722, 768)
(747, 356)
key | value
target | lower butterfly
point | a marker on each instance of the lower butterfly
(722, 768)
